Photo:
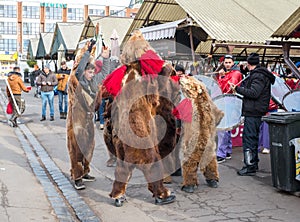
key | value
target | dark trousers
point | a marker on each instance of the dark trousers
(251, 136)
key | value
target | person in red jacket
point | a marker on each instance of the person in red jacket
(229, 74)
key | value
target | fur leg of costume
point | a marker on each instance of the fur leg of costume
(199, 133)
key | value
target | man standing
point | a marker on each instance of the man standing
(63, 76)
(47, 80)
(230, 74)
(17, 86)
(257, 93)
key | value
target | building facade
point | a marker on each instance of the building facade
(21, 21)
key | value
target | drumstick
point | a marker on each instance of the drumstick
(236, 84)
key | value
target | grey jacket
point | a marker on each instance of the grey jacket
(51, 77)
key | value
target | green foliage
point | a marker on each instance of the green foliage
(31, 63)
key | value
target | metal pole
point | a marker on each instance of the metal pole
(192, 43)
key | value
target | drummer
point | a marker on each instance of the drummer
(229, 74)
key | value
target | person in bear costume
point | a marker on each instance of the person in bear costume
(138, 86)
(83, 87)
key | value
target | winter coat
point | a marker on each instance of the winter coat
(16, 84)
(47, 78)
(63, 77)
(256, 91)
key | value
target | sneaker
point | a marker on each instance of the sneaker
(79, 185)
(12, 123)
(265, 151)
(119, 201)
(101, 127)
(88, 178)
(220, 159)
(212, 183)
(228, 156)
(188, 188)
(166, 200)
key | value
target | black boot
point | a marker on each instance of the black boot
(250, 166)
(51, 118)
(247, 171)
(65, 115)
(61, 115)
(43, 118)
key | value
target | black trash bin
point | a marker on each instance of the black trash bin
(283, 127)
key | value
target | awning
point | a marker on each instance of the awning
(163, 31)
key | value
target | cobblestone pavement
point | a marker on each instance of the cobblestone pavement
(26, 195)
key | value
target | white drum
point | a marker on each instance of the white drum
(279, 89)
(291, 101)
(231, 105)
(212, 85)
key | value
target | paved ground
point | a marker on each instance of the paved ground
(25, 197)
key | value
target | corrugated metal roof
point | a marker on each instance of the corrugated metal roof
(106, 24)
(155, 12)
(289, 26)
(223, 20)
(205, 47)
(166, 30)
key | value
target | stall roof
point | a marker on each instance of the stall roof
(290, 27)
(223, 20)
(106, 24)
(44, 45)
(162, 31)
(32, 48)
(67, 35)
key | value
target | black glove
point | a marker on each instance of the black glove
(92, 43)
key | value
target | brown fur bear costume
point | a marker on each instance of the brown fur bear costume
(199, 135)
(80, 119)
(134, 131)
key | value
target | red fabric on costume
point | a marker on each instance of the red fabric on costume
(151, 63)
(291, 83)
(113, 81)
(175, 78)
(184, 111)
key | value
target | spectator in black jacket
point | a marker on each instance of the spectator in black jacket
(257, 93)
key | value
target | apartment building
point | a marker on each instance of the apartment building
(21, 21)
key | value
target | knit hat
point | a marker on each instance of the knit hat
(253, 59)
(98, 65)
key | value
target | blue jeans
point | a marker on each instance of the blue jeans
(102, 109)
(47, 96)
(62, 99)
